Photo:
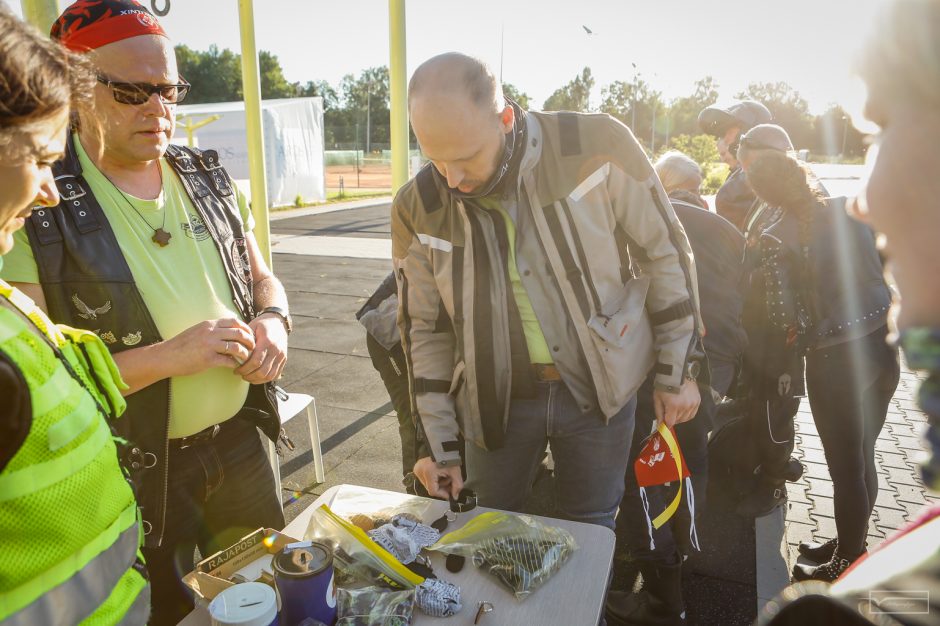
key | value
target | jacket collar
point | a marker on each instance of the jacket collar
(533, 146)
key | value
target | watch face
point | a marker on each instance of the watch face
(692, 369)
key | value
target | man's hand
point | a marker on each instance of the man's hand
(213, 343)
(441, 482)
(675, 408)
(270, 351)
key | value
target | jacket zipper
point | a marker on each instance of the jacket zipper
(502, 290)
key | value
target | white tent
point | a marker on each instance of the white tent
(293, 144)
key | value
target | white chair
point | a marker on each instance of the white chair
(290, 408)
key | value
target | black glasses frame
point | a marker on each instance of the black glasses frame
(139, 93)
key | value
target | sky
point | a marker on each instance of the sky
(542, 44)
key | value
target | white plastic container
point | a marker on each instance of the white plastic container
(246, 604)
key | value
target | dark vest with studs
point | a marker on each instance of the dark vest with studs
(87, 283)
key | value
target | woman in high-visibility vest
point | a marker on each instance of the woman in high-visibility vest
(68, 519)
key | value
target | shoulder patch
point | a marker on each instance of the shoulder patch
(430, 197)
(569, 135)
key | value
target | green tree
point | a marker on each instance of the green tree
(273, 83)
(683, 112)
(788, 107)
(620, 98)
(365, 106)
(701, 148)
(835, 134)
(521, 97)
(575, 96)
(322, 89)
(215, 74)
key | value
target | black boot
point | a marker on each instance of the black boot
(763, 499)
(658, 603)
(818, 552)
(826, 572)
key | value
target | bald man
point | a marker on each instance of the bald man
(151, 246)
(522, 320)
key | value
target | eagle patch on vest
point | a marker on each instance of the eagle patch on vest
(89, 313)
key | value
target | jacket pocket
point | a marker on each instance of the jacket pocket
(621, 313)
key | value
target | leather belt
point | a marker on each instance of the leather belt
(546, 372)
(207, 434)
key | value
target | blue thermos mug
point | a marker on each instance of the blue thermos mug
(303, 575)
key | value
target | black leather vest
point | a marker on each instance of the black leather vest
(87, 283)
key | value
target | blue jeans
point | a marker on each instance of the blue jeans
(218, 491)
(590, 456)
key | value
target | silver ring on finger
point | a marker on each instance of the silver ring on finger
(226, 347)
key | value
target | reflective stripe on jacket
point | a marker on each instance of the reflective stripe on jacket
(70, 525)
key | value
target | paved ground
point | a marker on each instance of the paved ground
(331, 260)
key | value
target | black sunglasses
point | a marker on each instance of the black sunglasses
(139, 93)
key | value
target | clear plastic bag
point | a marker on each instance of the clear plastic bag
(374, 606)
(355, 555)
(353, 503)
(520, 551)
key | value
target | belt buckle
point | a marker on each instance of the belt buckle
(204, 435)
(546, 372)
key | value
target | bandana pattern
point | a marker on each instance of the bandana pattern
(90, 24)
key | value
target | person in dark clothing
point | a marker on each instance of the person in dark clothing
(899, 581)
(718, 248)
(383, 340)
(772, 374)
(826, 296)
(735, 199)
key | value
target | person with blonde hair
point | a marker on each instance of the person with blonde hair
(68, 517)
(681, 177)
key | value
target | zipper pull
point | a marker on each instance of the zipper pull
(287, 441)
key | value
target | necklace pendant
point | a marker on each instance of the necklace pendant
(161, 237)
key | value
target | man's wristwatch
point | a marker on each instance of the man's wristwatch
(281, 313)
(692, 370)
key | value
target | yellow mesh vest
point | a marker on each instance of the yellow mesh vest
(68, 519)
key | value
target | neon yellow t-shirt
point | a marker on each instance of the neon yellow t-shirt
(534, 337)
(182, 284)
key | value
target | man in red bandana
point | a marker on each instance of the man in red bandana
(151, 246)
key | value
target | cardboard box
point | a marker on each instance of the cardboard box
(212, 574)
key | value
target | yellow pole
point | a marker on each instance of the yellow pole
(186, 123)
(40, 13)
(398, 86)
(251, 86)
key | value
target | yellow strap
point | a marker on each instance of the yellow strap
(28, 308)
(381, 553)
(666, 434)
